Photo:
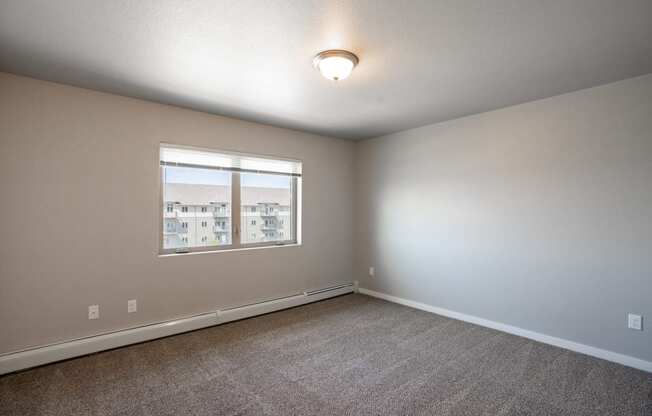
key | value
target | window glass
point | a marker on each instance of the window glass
(266, 207)
(194, 198)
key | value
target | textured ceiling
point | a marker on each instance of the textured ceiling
(421, 61)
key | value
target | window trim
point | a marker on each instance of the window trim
(236, 226)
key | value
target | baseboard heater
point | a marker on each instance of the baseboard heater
(260, 308)
(33, 357)
(346, 288)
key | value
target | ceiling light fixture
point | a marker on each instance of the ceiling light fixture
(335, 64)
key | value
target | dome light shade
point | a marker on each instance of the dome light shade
(335, 64)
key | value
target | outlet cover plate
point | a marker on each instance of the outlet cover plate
(94, 312)
(635, 322)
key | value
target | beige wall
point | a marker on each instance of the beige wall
(537, 216)
(80, 214)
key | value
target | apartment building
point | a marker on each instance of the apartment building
(200, 215)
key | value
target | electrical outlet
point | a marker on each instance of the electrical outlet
(372, 271)
(132, 306)
(635, 322)
(94, 312)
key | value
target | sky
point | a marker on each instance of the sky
(175, 174)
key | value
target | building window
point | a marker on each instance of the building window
(213, 181)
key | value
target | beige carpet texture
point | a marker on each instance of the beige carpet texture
(351, 355)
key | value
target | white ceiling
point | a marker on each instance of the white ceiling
(420, 61)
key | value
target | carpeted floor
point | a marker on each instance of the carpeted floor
(352, 355)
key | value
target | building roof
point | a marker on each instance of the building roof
(205, 194)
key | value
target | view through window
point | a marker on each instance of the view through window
(217, 200)
(197, 207)
(266, 208)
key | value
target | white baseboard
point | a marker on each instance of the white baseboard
(546, 339)
(74, 348)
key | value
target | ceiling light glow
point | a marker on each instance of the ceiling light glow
(335, 64)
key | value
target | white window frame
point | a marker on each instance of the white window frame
(236, 207)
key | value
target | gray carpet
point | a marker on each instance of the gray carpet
(352, 355)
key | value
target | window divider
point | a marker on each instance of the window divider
(236, 206)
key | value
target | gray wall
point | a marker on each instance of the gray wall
(79, 188)
(538, 215)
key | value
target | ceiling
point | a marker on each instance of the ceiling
(420, 61)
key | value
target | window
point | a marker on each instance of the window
(238, 191)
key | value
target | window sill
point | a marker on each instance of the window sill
(229, 250)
